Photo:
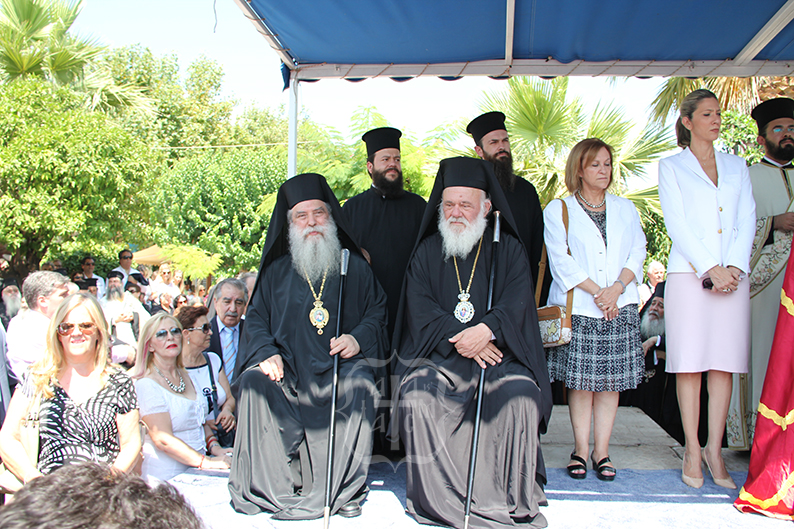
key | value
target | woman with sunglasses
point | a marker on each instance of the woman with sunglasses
(174, 413)
(88, 408)
(196, 334)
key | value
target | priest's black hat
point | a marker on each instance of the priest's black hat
(137, 276)
(658, 292)
(90, 281)
(9, 282)
(115, 273)
(381, 138)
(485, 123)
(781, 107)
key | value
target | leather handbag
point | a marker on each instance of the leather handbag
(225, 438)
(554, 320)
(29, 435)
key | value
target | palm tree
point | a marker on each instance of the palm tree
(35, 42)
(544, 124)
(738, 94)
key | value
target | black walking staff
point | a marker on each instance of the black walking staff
(478, 416)
(329, 469)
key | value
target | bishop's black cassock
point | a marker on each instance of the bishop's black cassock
(436, 397)
(281, 446)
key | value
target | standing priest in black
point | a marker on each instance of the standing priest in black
(285, 363)
(492, 143)
(385, 218)
(385, 221)
(445, 335)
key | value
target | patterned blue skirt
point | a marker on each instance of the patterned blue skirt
(602, 356)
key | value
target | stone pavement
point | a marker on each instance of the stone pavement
(647, 493)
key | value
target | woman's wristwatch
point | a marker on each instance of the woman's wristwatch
(621, 284)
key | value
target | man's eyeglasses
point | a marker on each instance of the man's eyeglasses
(780, 128)
(89, 264)
(126, 257)
(87, 328)
(162, 333)
(206, 328)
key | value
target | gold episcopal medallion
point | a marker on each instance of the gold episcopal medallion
(464, 310)
(318, 316)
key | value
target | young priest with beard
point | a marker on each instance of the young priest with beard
(444, 335)
(492, 143)
(284, 365)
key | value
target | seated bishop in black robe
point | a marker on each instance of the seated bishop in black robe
(437, 394)
(281, 446)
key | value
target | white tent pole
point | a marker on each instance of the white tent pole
(292, 151)
(770, 30)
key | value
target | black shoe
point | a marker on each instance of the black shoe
(574, 468)
(602, 466)
(350, 509)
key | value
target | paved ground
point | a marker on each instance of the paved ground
(647, 493)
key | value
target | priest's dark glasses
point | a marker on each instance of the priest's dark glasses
(87, 328)
(206, 328)
(162, 333)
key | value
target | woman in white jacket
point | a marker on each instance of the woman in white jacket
(607, 250)
(709, 212)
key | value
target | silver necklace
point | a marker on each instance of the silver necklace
(180, 388)
(579, 194)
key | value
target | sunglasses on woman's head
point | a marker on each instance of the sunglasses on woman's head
(65, 329)
(206, 328)
(162, 333)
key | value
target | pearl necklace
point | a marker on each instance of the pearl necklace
(601, 205)
(178, 389)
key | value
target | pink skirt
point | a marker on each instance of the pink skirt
(706, 330)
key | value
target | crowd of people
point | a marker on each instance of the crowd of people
(380, 349)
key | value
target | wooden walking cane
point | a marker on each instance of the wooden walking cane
(332, 431)
(478, 416)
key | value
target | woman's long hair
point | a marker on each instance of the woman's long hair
(143, 359)
(44, 373)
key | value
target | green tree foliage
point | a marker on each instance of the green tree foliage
(739, 134)
(67, 175)
(214, 202)
(187, 113)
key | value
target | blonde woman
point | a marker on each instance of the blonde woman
(178, 436)
(88, 410)
(709, 212)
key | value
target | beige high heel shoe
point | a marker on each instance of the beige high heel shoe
(721, 482)
(689, 481)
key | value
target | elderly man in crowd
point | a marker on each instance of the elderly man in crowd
(286, 372)
(655, 274)
(27, 331)
(448, 334)
(11, 300)
(125, 316)
(230, 300)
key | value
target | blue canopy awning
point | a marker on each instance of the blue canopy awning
(451, 38)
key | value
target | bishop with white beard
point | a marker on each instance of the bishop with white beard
(445, 334)
(285, 363)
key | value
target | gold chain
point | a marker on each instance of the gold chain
(457, 274)
(322, 286)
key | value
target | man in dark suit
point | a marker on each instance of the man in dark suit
(231, 296)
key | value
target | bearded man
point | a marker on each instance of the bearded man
(492, 143)
(385, 221)
(774, 208)
(124, 313)
(285, 363)
(444, 335)
(11, 300)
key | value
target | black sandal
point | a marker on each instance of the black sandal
(601, 466)
(573, 468)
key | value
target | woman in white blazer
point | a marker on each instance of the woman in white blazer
(709, 212)
(607, 250)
